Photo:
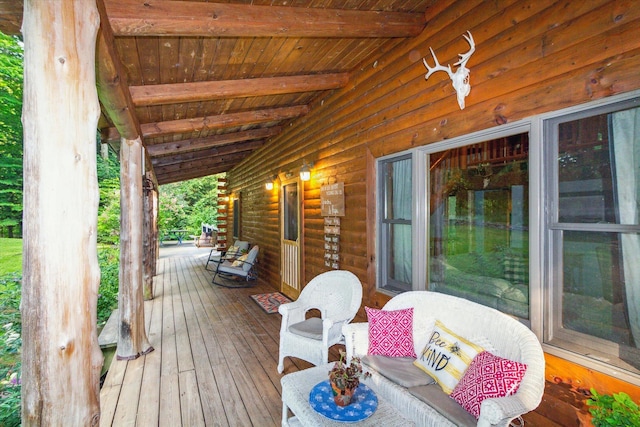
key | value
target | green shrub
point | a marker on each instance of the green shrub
(108, 258)
(616, 410)
(11, 329)
(10, 346)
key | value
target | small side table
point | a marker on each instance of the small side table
(295, 397)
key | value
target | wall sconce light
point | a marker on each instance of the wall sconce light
(271, 182)
(305, 172)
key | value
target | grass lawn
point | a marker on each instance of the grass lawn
(10, 256)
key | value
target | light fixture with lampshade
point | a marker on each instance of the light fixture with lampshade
(270, 183)
(305, 172)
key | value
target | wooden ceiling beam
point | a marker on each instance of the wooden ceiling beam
(206, 91)
(208, 153)
(154, 130)
(176, 147)
(111, 81)
(11, 16)
(203, 19)
(229, 160)
(192, 174)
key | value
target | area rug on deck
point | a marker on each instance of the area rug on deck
(271, 301)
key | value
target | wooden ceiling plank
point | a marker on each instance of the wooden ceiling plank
(208, 162)
(254, 58)
(242, 88)
(171, 148)
(192, 156)
(190, 18)
(154, 130)
(193, 173)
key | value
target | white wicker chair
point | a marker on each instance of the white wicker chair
(337, 295)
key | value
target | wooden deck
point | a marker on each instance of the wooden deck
(215, 355)
(215, 358)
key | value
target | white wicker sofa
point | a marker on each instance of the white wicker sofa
(496, 332)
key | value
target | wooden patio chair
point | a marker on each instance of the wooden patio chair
(238, 273)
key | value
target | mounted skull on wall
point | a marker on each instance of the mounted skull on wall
(459, 79)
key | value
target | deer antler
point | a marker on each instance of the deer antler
(438, 67)
(465, 57)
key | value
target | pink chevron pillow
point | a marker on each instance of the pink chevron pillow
(391, 332)
(488, 376)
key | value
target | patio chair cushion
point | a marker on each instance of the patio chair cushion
(310, 328)
(240, 260)
(400, 370)
(488, 376)
(433, 396)
(232, 253)
(446, 357)
(251, 259)
(391, 332)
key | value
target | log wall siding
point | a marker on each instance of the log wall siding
(531, 57)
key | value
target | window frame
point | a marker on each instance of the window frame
(384, 224)
(577, 347)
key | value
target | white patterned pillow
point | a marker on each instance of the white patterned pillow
(446, 357)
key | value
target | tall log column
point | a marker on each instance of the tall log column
(132, 337)
(61, 358)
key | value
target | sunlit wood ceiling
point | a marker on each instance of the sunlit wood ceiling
(211, 82)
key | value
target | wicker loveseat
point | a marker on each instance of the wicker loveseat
(494, 331)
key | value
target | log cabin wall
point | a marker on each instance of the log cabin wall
(530, 58)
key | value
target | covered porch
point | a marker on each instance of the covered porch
(345, 127)
(215, 357)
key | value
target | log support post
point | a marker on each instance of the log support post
(132, 337)
(61, 358)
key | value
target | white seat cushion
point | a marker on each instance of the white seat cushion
(438, 400)
(310, 328)
(400, 370)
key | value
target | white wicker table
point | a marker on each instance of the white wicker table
(295, 397)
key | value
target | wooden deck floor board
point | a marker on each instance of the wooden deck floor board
(190, 406)
(148, 411)
(200, 333)
(126, 415)
(183, 345)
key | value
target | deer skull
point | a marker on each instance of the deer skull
(459, 79)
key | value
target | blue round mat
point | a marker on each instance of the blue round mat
(363, 403)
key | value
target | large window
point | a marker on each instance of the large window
(539, 219)
(395, 224)
(478, 223)
(593, 222)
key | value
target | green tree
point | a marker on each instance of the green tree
(11, 60)
(188, 204)
(109, 208)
